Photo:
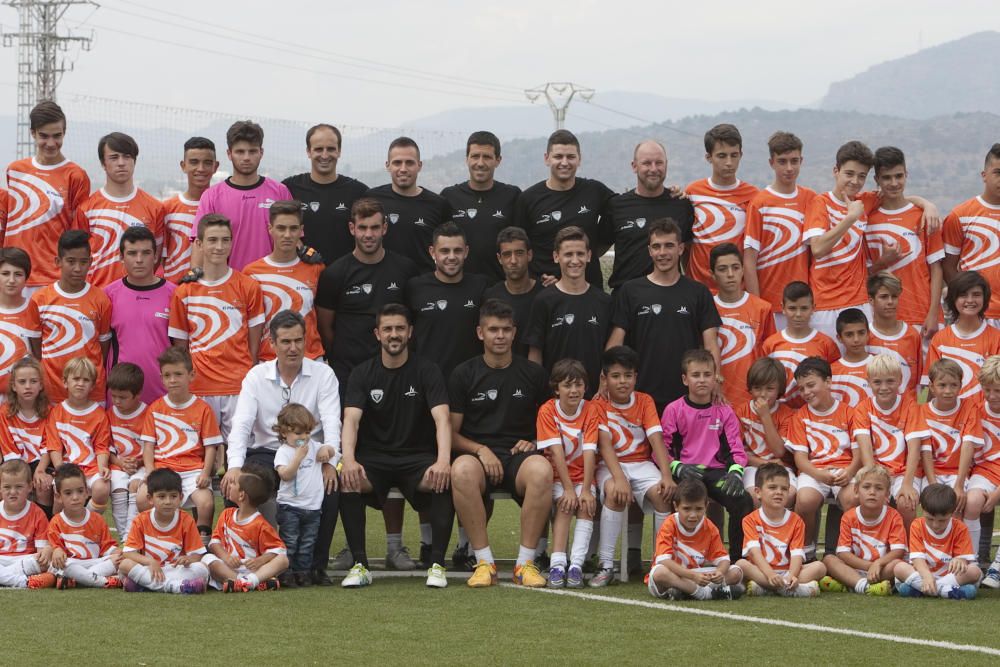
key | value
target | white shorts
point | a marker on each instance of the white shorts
(897, 484)
(657, 593)
(641, 476)
(949, 480)
(557, 490)
(980, 483)
(750, 478)
(826, 320)
(119, 480)
(825, 490)
(6, 561)
(223, 407)
(90, 480)
(138, 476)
(189, 484)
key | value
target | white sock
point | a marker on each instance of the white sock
(945, 584)
(635, 535)
(89, 577)
(393, 542)
(861, 586)
(524, 554)
(425, 533)
(543, 545)
(658, 519)
(119, 511)
(463, 538)
(702, 593)
(133, 512)
(915, 581)
(484, 555)
(581, 541)
(611, 528)
(30, 566)
(805, 590)
(141, 575)
(975, 532)
(251, 579)
(558, 559)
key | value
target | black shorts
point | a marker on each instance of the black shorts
(403, 473)
(511, 465)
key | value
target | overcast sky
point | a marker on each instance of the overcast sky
(291, 59)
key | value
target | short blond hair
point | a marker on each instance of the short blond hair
(883, 364)
(80, 366)
(990, 372)
(874, 470)
(945, 366)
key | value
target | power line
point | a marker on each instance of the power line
(559, 95)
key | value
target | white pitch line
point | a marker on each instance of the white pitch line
(951, 646)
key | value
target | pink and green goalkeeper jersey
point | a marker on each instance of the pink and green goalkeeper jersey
(139, 318)
(247, 209)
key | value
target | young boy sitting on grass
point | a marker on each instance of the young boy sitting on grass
(942, 558)
(773, 546)
(690, 559)
(163, 551)
(25, 553)
(872, 540)
(245, 553)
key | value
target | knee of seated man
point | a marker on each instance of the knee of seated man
(466, 470)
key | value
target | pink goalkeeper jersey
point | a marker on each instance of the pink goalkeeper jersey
(139, 318)
(707, 435)
(247, 210)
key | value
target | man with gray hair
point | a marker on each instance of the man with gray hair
(290, 378)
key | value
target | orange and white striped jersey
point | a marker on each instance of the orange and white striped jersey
(44, 200)
(719, 217)
(939, 550)
(870, 540)
(970, 351)
(80, 435)
(87, 539)
(247, 538)
(838, 279)
(164, 543)
(107, 217)
(22, 437)
(987, 461)
(126, 432)
(574, 433)
(73, 325)
(630, 426)
(23, 533)
(774, 229)
(948, 431)
(178, 228)
(180, 433)
(701, 547)
(890, 430)
(753, 430)
(850, 381)
(778, 541)
(290, 286)
(746, 324)
(792, 351)
(215, 318)
(18, 326)
(971, 231)
(918, 250)
(907, 347)
(6, 203)
(825, 437)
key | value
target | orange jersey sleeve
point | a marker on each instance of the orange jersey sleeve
(746, 324)
(987, 461)
(907, 347)
(948, 431)
(178, 222)
(79, 435)
(288, 287)
(970, 351)
(778, 542)
(107, 217)
(719, 217)
(72, 325)
(23, 533)
(630, 426)
(215, 318)
(180, 433)
(850, 381)
(970, 232)
(18, 328)
(85, 540)
(837, 279)
(871, 540)
(824, 437)
(44, 200)
(939, 550)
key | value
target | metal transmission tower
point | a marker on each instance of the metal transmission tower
(39, 68)
(559, 95)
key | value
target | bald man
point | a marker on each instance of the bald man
(633, 211)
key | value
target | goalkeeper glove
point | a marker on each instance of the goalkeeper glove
(732, 483)
(686, 470)
(192, 276)
(309, 255)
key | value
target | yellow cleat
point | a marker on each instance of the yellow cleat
(880, 589)
(484, 576)
(527, 575)
(830, 585)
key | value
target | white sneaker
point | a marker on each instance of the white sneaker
(436, 577)
(992, 578)
(358, 576)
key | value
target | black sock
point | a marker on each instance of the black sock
(442, 519)
(352, 514)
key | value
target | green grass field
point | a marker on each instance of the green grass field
(398, 620)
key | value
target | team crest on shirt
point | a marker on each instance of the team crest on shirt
(517, 394)
(491, 394)
(341, 207)
(640, 222)
(367, 288)
(314, 205)
(656, 308)
(556, 215)
(471, 212)
(376, 395)
(569, 317)
(583, 209)
(394, 218)
(442, 304)
(411, 392)
(420, 222)
(499, 214)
